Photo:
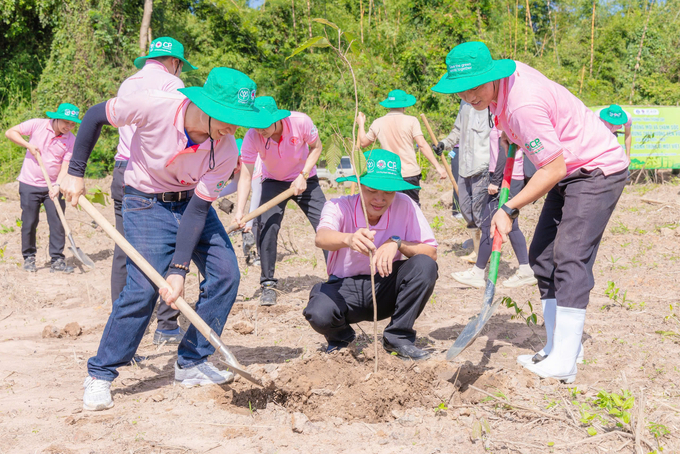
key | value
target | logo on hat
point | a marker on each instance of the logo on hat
(245, 96)
(252, 95)
(391, 98)
(370, 164)
(392, 165)
(167, 45)
(463, 67)
(381, 164)
(159, 44)
(615, 114)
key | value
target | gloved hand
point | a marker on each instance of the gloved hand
(438, 149)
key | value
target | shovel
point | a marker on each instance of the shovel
(446, 164)
(77, 253)
(474, 326)
(228, 358)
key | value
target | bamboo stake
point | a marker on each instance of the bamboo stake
(583, 75)
(361, 21)
(592, 41)
(642, 40)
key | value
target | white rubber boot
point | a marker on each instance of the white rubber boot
(549, 307)
(561, 362)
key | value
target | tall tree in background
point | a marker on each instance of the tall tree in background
(145, 28)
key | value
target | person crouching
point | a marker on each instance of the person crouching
(404, 252)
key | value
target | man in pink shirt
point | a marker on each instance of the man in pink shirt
(404, 252)
(53, 141)
(181, 156)
(289, 149)
(160, 70)
(581, 168)
(613, 118)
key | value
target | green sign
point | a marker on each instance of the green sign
(656, 137)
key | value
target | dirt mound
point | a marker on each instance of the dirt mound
(344, 385)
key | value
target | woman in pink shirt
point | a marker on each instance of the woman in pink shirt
(289, 149)
(53, 141)
(581, 168)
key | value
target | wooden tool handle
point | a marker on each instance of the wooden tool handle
(444, 161)
(288, 193)
(67, 230)
(143, 265)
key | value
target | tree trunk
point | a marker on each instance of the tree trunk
(309, 22)
(637, 60)
(361, 21)
(583, 76)
(292, 4)
(144, 28)
(592, 39)
(514, 52)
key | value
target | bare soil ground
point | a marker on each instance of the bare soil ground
(313, 402)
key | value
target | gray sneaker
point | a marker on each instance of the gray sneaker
(268, 296)
(29, 265)
(97, 394)
(61, 266)
(202, 375)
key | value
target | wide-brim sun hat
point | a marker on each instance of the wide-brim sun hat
(228, 95)
(397, 99)
(470, 65)
(165, 47)
(65, 111)
(269, 104)
(383, 172)
(614, 114)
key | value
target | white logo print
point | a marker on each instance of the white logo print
(245, 96)
(167, 45)
(391, 98)
(370, 164)
(392, 165)
(159, 44)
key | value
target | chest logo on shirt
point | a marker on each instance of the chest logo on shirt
(534, 146)
(220, 185)
(184, 182)
(294, 141)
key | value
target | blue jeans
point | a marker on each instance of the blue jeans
(151, 227)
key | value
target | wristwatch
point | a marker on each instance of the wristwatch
(304, 174)
(397, 240)
(511, 212)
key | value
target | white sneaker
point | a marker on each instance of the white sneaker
(97, 394)
(202, 375)
(470, 278)
(519, 279)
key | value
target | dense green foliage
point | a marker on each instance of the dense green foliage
(81, 50)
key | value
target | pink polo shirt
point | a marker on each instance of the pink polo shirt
(159, 158)
(547, 120)
(613, 128)
(403, 218)
(285, 159)
(54, 150)
(518, 169)
(153, 76)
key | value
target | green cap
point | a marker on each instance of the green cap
(614, 114)
(269, 104)
(397, 99)
(228, 95)
(470, 65)
(65, 111)
(383, 172)
(165, 47)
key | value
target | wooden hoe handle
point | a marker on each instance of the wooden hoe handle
(434, 141)
(67, 230)
(288, 193)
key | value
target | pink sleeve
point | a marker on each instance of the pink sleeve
(27, 127)
(127, 110)
(69, 148)
(331, 216)
(310, 132)
(249, 147)
(418, 230)
(536, 134)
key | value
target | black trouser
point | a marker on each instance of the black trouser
(413, 193)
(568, 234)
(31, 198)
(167, 316)
(402, 295)
(454, 170)
(310, 202)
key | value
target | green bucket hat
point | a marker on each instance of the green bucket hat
(614, 114)
(397, 99)
(65, 111)
(269, 104)
(165, 47)
(383, 172)
(228, 95)
(470, 65)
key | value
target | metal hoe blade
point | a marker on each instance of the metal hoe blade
(230, 360)
(474, 326)
(79, 254)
